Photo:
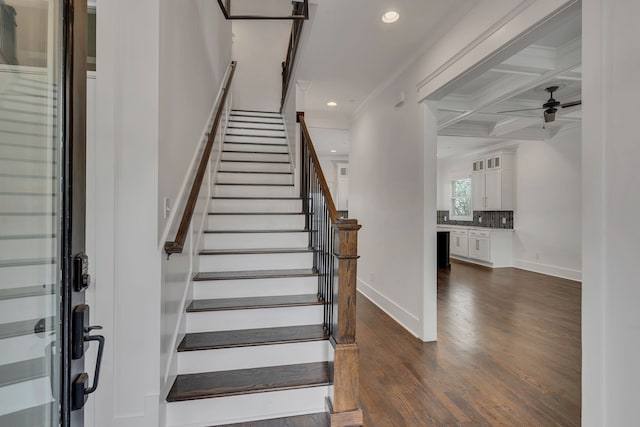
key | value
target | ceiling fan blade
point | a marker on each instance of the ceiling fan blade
(571, 104)
(516, 111)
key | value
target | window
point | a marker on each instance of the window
(461, 199)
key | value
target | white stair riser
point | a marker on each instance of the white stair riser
(24, 395)
(247, 130)
(19, 309)
(254, 178)
(27, 168)
(263, 148)
(244, 117)
(25, 347)
(256, 262)
(26, 203)
(255, 157)
(14, 249)
(256, 205)
(225, 359)
(28, 275)
(255, 167)
(28, 224)
(272, 114)
(254, 191)
(245, 288)
(248, 407)
(247, 123)
(254, 139)
(27, 184)
(256, 222)
(233, 320)
(254, 240)
(26, 153)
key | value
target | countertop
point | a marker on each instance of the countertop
(468, 227)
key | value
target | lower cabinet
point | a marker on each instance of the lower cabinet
(488, 247)
(459, 243)
(480, 245)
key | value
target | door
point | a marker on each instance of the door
(342, 180)
(42, 193)
(493, 189)
(478, 191)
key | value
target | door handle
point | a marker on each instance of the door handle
(80, 389)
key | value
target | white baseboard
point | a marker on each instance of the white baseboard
(406, 319)
(551, 270)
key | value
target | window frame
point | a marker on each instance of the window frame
(453, 198)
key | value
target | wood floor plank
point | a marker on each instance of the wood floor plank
(312, 420)
(246, 381)
(252, 302)
(255, 274)
(508, 353)
(251, 337)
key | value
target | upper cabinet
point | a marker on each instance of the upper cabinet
(492, 183)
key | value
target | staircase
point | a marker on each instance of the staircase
(27, 248)
(255, 348)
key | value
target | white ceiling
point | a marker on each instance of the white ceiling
(349, 50)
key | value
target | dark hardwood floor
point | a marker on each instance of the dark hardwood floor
(508, 354)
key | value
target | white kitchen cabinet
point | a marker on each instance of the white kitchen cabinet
(459, 242)
(480, 245)
(492, 186)
(489, 247)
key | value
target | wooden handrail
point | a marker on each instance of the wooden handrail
(316, 163)
(177, 245)
(292, 50)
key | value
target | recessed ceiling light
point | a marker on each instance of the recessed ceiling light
(390, 17)
(332, 103)
(334, 151)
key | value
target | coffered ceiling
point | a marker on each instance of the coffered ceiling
(473, 115)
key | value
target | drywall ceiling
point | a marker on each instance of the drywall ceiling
(349, 50)
(472, 117)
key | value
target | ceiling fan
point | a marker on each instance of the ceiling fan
(550, 107)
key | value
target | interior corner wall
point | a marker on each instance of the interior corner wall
(195, 51)
(259, 47)
(548, 214)
(611, 148)
(386, 195)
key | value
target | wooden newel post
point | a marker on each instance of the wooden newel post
(346, 366)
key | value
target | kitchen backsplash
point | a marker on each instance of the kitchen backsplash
(488, 219)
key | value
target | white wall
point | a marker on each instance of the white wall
(611, 149)
(548, 216)
(259, 47)
(324, 140)
(195, 51)
(386, 195)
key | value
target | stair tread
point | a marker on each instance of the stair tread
(253, 161)
(252, 303)
(256, 213)
(257, 172)
(246, 381)
(251, 337)
(257, 184)
(255, 274)
(254, 231)
(254, 198)
(255, 152)
(25, 370)
(310, 420)
(255, 251)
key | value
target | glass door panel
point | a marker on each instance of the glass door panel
(30, 171)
